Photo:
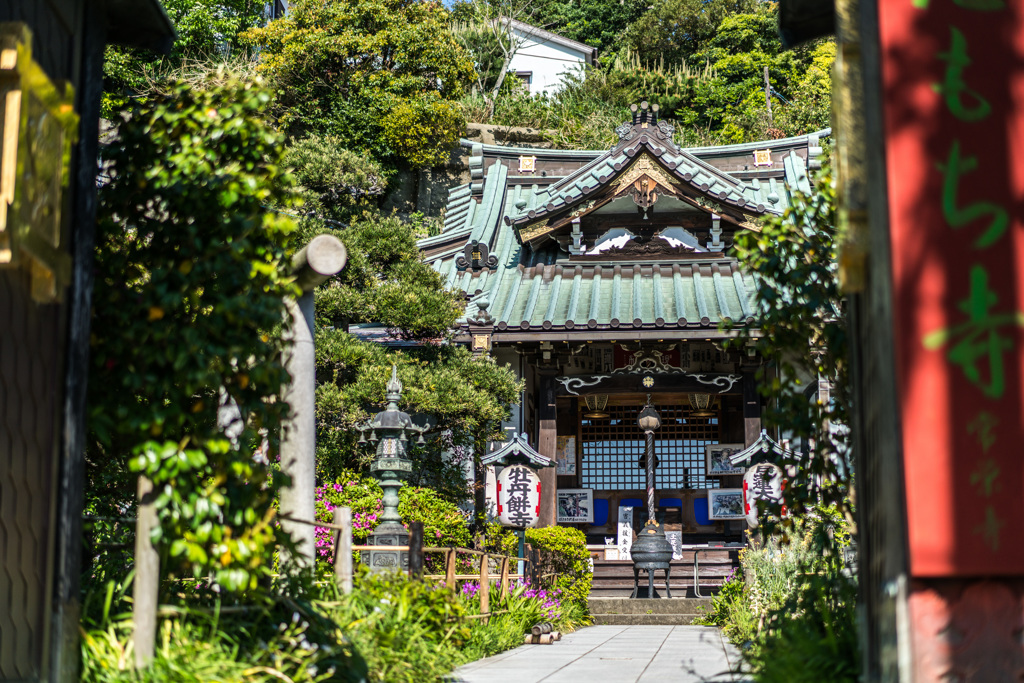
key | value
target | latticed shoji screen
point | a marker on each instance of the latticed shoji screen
(613, 446)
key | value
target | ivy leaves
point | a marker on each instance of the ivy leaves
(190, 278)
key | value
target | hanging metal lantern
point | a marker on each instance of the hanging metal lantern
(596, 405)
(700, 405)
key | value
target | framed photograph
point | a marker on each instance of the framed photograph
(718, 459)
(725, 504)
(575, 506)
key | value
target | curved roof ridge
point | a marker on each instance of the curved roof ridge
(697, 151)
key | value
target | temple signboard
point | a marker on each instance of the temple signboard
(953, 130)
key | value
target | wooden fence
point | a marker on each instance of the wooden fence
(344, 549)
(147, 569)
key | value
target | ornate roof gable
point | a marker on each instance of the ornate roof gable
(645, 164)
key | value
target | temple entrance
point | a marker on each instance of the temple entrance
(608, 446)
(612, 448)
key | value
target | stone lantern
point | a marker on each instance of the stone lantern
(390, 430)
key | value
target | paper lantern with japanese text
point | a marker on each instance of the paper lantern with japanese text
(763, 481)
(518, 496)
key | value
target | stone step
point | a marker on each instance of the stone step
(643, 619)
(703, 556)
(677, 593)
(716, 571)
(608, 606)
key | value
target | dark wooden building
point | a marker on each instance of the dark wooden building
(51, 59)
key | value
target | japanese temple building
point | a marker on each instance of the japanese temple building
(602, 277)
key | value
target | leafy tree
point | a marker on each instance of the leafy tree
(383, 76)
(483, 41)
(487, 34)
(598, 23)
(723, 49)
(673, 31)
(386, 281)
(206, 30)
(804, 335)
(467, 395)
(189, 287)
(336, 184)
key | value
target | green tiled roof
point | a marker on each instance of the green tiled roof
(696, 294)
(538, 288)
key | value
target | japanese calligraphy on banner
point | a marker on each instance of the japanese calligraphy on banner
(518, 496)
(953, 114)
(765, 482)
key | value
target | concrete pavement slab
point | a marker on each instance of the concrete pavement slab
(614, 654)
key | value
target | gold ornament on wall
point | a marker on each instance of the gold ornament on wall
(38, 125)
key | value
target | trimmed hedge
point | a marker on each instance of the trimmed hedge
(563, 551)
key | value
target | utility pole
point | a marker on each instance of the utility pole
(768, 96)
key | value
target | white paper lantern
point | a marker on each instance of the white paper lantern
(518, 496)
(765, 482)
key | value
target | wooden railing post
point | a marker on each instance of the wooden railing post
(449, 569)
(504, 578)
(343, 549)
(416, 550)
(485, 586)
(534, 561)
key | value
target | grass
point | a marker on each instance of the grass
(390, 629)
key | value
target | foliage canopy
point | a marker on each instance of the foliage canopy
(381, 75)
(207, 31)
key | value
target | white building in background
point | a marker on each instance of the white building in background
(542, 59)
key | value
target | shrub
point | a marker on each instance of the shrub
(389, 628)
(524, 606)
(563, 552)
(812, 636)
(793, 609)
(730, 610)
(443, 522)
(361, 494)
(405, 630)
(191, 270)
(424, 131)
(276, 640)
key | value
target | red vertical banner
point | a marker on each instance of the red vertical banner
(953, 83)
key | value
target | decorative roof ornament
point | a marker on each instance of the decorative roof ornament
(476, 256)
(394, 389)
(644, 115)
(646, 122)
(516, 451)
(482, 317)
(761, 448)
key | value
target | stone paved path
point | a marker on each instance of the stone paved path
(614, 654)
